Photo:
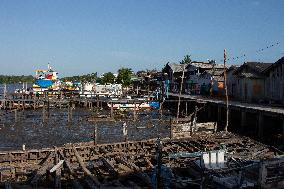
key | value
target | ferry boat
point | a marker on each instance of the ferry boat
(45, 80)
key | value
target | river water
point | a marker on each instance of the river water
(12, 87)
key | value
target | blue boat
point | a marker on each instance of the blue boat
(44, 83)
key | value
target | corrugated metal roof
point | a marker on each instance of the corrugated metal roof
(252, 69)
(206, 65)
(278, 62)
(258, 66)
(178, 67)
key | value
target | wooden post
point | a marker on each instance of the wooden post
(194, 120)
(96, 134)
(171, 128)
(57, 173)
(159, 162)
(161, 110)
(4, 104)
(134, 112)
(5, 90)
(124, 131)
(137, 90)
(111, 110)
(186, 109)
(283, 130)
(183, 68)
(226, 92)
(43, 112)
(70, 112)
(48, 107)
(262, 175)
(16, 115)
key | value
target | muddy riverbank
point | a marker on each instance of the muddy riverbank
(35, 132)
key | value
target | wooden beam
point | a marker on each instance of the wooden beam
(109, 166)
(128, 164)
(57, 166)
(41, 171)
(75, 183)
(85, 169)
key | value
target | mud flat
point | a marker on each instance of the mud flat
(34, 132)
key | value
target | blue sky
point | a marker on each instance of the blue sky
(80, 37)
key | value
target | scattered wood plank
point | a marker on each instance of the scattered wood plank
(85, 169)
(57, 166)
(75, 182)
(109, 166)
(41, 171)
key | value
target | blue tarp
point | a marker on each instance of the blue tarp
(154, 104)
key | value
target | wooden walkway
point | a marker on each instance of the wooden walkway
(234, 104)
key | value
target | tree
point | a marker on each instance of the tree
(83, 78)
(186, 60)
(108, 78)
(124, 76)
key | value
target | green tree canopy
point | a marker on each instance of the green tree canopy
(83, 78)
(124, 76)
(186, 60)
(16, 79)
(108, 78)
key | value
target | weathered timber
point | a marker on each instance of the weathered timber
(47, 163)
(85, 169)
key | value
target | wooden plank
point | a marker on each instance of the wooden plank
(57, 166)
(75, 183)
(109, 166)
(85, 169)
(57, 169)
(43, 168)
(128, 164)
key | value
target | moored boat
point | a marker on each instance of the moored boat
(45, 80)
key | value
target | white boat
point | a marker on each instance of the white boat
(123, 105)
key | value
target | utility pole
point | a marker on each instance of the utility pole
(226, 91)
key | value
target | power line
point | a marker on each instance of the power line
(260, 50)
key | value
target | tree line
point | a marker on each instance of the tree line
(123, 77)
(16, 79)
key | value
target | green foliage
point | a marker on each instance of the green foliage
(108, 78)
(186, 60)
(16, 79)
(124, 76)
(83, 78)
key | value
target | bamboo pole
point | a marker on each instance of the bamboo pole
(180, 90)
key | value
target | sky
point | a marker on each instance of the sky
(80, 37)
